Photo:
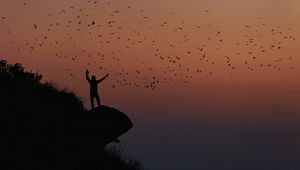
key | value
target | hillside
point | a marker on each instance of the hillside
(43, 127)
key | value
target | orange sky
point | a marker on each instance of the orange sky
(130, 36)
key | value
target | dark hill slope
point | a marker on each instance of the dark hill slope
(45, 128)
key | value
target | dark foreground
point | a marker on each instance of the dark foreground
(46, 128)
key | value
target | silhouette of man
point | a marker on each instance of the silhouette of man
(94, 88)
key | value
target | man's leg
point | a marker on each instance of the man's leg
(92, 101)
(98, 100)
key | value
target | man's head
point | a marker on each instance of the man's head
(93, 77)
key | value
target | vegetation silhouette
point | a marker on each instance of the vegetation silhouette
(94, 88)
(46, 128)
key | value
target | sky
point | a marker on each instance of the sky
(179, 69)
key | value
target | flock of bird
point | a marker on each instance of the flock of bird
(173, 51)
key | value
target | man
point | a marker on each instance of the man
(94, 88)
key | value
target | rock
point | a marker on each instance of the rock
(99, 126)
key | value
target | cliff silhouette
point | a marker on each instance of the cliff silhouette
(43, 127)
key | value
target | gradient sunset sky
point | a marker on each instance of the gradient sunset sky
(169, 61)
(135, 40)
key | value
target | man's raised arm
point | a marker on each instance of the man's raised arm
(87, 76)
(103, 78)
